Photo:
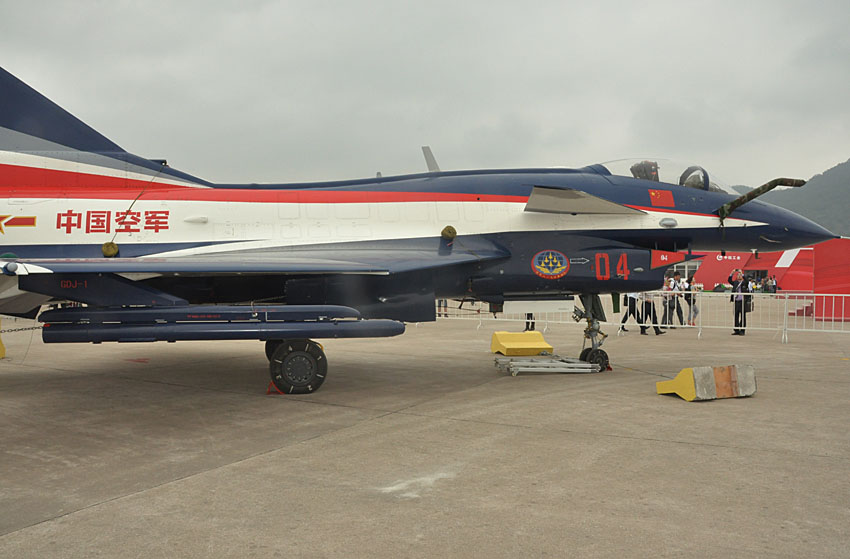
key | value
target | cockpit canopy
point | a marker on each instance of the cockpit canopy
(666, 171)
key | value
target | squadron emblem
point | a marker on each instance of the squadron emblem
(550, 264)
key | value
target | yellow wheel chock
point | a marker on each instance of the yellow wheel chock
(519, 343)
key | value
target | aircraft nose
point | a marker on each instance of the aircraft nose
(805, 231)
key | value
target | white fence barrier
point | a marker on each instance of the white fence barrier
(780, 312)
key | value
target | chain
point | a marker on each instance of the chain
(20, 329)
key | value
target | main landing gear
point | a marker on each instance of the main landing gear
(593, 313)
(296, 366)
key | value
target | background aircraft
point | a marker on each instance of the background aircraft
(157, 254)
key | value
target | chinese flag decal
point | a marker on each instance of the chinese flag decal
(663, 258)
(661, 198)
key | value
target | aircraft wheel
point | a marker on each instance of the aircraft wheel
(584, 353)
(599, 357)
(298, 366)
(272, 345)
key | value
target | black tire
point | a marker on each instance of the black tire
(298, 366)
(584, 352)
(599, 357)
(272, 345)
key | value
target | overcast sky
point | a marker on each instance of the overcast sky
(256, 91)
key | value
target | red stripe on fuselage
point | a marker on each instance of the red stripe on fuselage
(18, 181)
(26, 182)
(23, 177)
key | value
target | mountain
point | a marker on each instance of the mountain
(825, 199)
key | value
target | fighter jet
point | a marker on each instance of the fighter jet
(151, 253)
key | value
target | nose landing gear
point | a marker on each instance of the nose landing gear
(593, 314)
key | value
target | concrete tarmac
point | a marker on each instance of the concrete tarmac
(417, 446)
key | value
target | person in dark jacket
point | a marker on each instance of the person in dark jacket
(676, 289)
(649, 316)
(740, 293)
(631, 300)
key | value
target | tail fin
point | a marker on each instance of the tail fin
(29, 121)
(32, 124)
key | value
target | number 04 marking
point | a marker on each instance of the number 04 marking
(603, 266)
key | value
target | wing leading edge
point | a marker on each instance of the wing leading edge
(374, 261)
(567, 200)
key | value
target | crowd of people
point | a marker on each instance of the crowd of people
(641, 306)
(676, 289)
(766, 284)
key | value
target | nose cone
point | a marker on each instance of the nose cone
(790, 230)
(807, 229)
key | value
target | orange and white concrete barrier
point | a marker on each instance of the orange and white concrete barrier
(710, 383)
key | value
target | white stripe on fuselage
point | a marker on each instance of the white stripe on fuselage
(251, 225)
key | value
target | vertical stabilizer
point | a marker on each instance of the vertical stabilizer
(42, 144)
(29, 121)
